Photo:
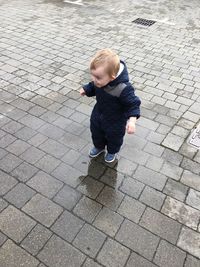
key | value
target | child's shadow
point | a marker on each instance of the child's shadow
(98, 175)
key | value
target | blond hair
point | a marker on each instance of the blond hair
(108, 58)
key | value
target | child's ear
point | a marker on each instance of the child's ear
(113, 77)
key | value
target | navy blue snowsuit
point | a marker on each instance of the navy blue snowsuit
(116, 103)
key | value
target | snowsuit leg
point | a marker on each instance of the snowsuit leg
(98, 135)
(114, 137)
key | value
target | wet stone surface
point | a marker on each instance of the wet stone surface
(59, 208)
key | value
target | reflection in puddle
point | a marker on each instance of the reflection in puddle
(97, 175)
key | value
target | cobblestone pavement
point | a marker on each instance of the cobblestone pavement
(58, 208)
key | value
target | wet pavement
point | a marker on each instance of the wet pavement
(58, 208)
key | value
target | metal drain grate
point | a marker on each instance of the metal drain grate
(194, 138)
(144, 22)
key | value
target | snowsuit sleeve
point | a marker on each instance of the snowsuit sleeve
(130, 102)
(89, 89)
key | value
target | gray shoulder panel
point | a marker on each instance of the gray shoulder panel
(115, 90)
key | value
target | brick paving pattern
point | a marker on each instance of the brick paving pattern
(58, 208)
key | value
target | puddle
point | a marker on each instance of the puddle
(194, 138)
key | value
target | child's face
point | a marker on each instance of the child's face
(100, 77)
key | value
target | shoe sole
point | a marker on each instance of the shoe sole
(94, 156)
(107, 161)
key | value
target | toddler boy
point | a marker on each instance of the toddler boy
(117, 108)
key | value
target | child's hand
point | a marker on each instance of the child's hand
(130, 127)
(82, 91)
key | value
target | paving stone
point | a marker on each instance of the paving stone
(9, 162)
(17, 227)
(150, 177)
(43, 210)
(142, 132)
(36, 239)
(112, 178)
(85, 109)
(171, 170)
(189, 241)
(65, 111)
(87, 209)
(90, 167)
(42, 265)
(173, 142)
(25, 133)
(67, 226)
(58, 253)
(154, 163)
(138, 239)
(18, 147)
(12, 127)
(169, 255)
(134, 155)
(32, 155)
(63, 123)
(3, 152)
(68, 175)
(190, 165)
(24, 172)
(136, 260)
(90, 187)
(195, 108)
(32, 122)
(181, 212)
(113, 254)
(3, 204)
(161, 225)
(51, 131)
(37, 111)
(193, 199)
(54, 148)
(50, 116)
(78, 117)
(147, 123)
(47, 163)
(131, 209)
(175, 189)
(3, 238)
(152, 198)
(197, 157)
(177, 130)
(19, 195)
(108, 221)
(192, 262)
(110, 198)
(172, 156)
(187, 124)
(155, 137)
(45, 184)
(22, 104)
(6, 182)
(37, 140)
(91, 263)
(71, 157)
(67, 197)
(13, 256)
(89, 240)
(191, 179)
(42, 101)
(154, 149)
(126, 166)
(135, 141)
(131, 187)
(73, 141)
